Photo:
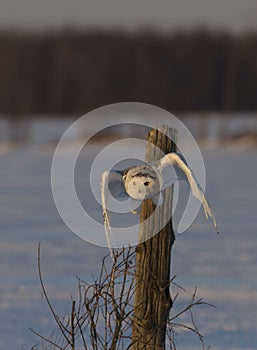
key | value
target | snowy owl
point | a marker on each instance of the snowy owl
(148, 181)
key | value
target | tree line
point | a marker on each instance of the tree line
(74, 71)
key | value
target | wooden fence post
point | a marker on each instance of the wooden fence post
(152, 302)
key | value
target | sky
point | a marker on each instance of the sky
(233, 15)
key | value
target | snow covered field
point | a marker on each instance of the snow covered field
(224, 267)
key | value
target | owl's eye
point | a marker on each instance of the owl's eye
(147, 183)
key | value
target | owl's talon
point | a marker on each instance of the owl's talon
(135, 212)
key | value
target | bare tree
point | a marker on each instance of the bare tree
(102, 315)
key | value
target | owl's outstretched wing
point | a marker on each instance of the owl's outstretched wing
(175, 160)
(111, 184)
(106, 215)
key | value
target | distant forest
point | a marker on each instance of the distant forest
(72, 72)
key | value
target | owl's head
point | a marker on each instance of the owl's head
(142, 182)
